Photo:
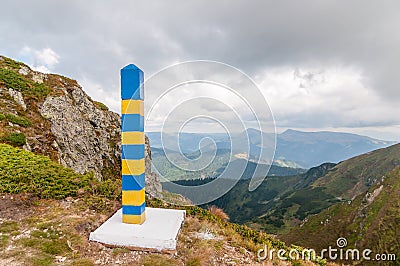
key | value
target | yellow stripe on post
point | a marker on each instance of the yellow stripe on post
(132, 138)
(133, 167)
(133, 197)
(134, 219)
(132, 107)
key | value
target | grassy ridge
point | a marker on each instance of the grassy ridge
(366, 222)
(354, 176)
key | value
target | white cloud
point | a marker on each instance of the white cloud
(97, 92)
(46, 57)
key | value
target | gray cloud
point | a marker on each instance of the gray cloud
(94, 39)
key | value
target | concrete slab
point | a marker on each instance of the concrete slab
(159, 232)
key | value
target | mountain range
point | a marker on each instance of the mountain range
(294, 149)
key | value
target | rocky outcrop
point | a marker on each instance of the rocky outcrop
(18, 98)
(85, 136)
(153, 184)
(89, 138)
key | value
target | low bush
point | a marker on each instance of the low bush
(25, 172)
(15, 139)
(22, 121)
(101, 105)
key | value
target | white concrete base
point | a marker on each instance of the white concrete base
(159, 231)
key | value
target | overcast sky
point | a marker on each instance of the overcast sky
(321, 65)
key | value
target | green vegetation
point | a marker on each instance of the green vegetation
(12, 79)
(9, 63)
(354, 176)
(218, 165)
(19, 120)
(274, 205)
(14, 139)
(369, 221)
(8, 226)
(39, 239)
(100, 105)
(47, 240)
(23, 171)
(284, 202)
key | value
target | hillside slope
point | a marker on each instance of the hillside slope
(283, 202)
(370, 221)
(47, 212)
(263, 208)
(353, 177)
(52, 115)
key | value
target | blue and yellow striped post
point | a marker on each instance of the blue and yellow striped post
(133, 165)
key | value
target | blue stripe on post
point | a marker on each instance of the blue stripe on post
(133, 152)
(133, 210)
(132, 122)
(133, 182)
(131, 83)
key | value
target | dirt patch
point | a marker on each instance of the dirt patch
(16, 207)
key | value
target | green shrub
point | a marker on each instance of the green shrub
(11, 63)
(110, 189)
(12, 79)
(22, 121)
(100, 105)
(15, 139)
(25, 172)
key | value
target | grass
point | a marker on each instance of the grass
(82, 262)
(8, 226)
(218, 212)
(3, 241)
(158, 260)
(41, 260)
